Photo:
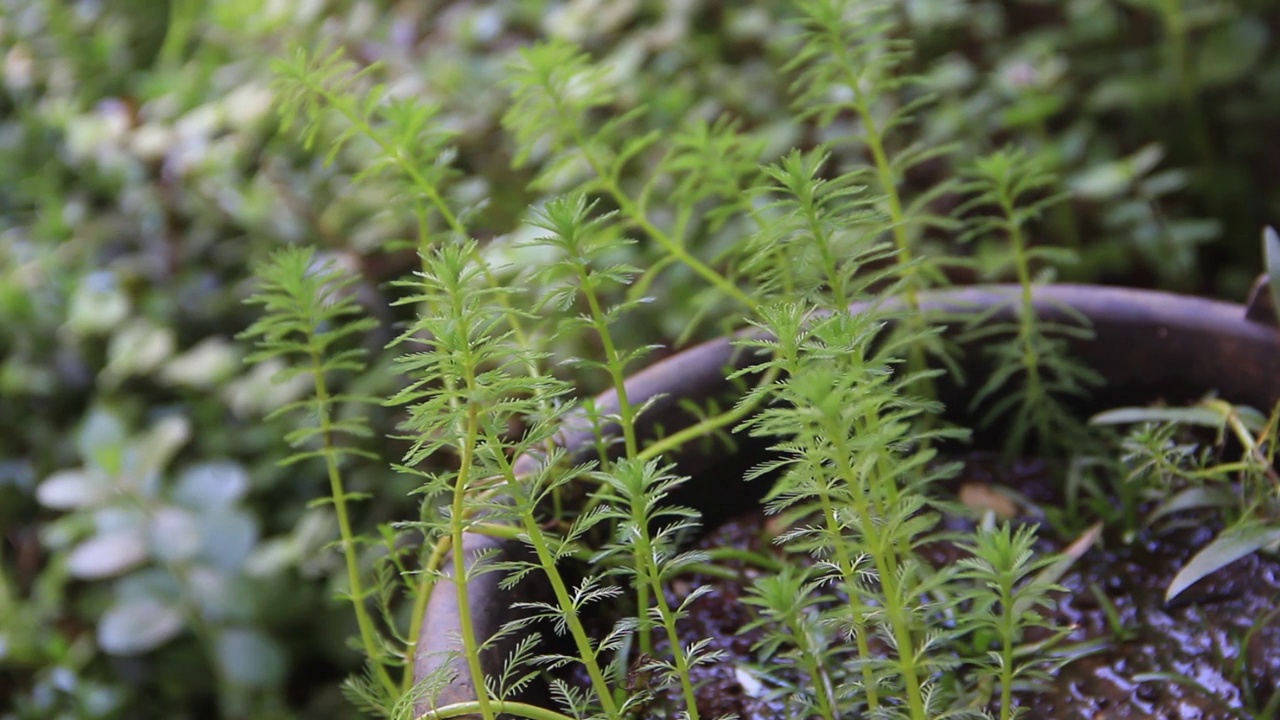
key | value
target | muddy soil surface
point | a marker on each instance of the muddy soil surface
(1200, 637)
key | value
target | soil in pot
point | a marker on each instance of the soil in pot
(1209, 664)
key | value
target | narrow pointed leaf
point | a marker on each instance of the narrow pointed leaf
(1271, 254)
(1231, 545)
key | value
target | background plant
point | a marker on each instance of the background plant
(1017, 191)
(1175, 478)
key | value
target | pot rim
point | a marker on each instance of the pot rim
(1147, 345)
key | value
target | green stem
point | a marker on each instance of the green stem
(626, 418)
(428, 189)
(1008, 640)
(887, 569)
(652, 574)
(631, 210)
(422, 591)
(390, 150)
(856, 607)
(885, 558)
(712, 424)
(1027, 314)
(580, 638)
(830, 263)
(533, 712)
(457, 521)
(874, 140)
(617, 373)
(700, 429)
(182, 19)
(368, 636)
(533, 534)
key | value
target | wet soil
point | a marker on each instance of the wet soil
(1223, 633)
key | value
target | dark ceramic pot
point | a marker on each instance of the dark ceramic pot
(1147, 346)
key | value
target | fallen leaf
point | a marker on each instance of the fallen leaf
(982, 497)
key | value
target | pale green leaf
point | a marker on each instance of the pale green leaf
(138, 625)
(154, 450)
(211, 485)
(98, 305)
(71, 489)
(221, 596)
(1200, 416)
(1194, 498)
(1271, 252)
(138, 348)
(175, 534)
(229, 537)
(249, 658)
(1231, 545)
(204, 366)
(108, 554)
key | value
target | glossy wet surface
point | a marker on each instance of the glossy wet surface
(1211, 654)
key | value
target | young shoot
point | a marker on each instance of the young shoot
(650, 531)
(1007, 595)
(795, 636)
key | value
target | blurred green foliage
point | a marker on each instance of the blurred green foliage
(154, 561)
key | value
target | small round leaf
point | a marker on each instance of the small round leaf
(98, 305)
(138, 348)
(211, 485)
(175, 534)
(138, 625)
(250, 658)
(71, 489)
(229, 538)
(108, 555)
(203, 366)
